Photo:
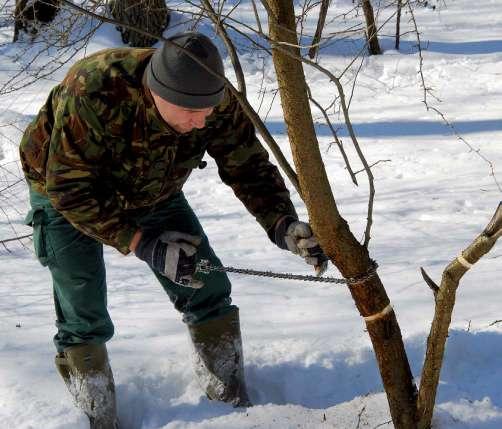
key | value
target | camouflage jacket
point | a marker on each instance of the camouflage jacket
(100, 150)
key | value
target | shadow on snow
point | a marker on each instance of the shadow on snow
(470, 373)
(401, 128)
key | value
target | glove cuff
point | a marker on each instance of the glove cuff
(144, 248)
(280, 231)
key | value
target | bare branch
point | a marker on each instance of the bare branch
(335, 136)
(383, 424)
(427, 92)
(258, 22)
(363, 49)
(359, 417)
(445, 301)
(372, 165)
(8, 240)
(229, 45)
(355, 80)
(433, 286)
(11, 185)
(371, 197)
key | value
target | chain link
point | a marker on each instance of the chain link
(204, 266)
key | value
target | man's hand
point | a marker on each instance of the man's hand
(173, 254)
(297, 237)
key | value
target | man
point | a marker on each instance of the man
(106, 159)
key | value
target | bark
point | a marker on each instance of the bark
(350, 257)
(371, 31)
(149, 15)
(445, 301)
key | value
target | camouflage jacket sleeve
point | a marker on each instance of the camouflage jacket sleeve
(243, 163)
(74, 172)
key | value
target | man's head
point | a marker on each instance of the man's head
(184, 91)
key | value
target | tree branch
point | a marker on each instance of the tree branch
(229, 45)
(445, 301)
(335, 136)
(8, 240)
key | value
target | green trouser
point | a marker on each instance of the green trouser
(79, 279)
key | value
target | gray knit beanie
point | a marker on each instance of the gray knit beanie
(177, 78)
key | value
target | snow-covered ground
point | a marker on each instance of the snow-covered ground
(309, 363)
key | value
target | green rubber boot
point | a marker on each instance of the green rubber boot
(87, 374)
(218, 359)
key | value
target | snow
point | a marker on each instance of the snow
(308, 359)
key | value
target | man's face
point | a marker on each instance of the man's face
(180, 118)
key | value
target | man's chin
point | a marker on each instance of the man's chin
(185, 130)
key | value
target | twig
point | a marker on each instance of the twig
(11, 185)
(433, 286)
(355, 80)
(383, 424)
(359, 417)
(372, 165)
(335, 136)
(258, 22)
(427, 91)
(371, 197)
(8, 240)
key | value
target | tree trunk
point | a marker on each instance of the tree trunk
(29, 15)
(371, 29)
(149, 15)
(351, 258)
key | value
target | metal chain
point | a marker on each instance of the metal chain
(204, 266)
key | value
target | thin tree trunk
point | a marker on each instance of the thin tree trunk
(320, 26)
(351, 258)
(398, 23)
(371, 32)
(445, 301)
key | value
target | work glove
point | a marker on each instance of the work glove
(297, 237)
(172, 254)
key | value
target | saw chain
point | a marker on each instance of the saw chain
(205, 267)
